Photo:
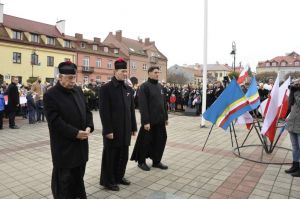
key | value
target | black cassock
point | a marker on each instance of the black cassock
(117, 115)
(67, 113)
(153, 108)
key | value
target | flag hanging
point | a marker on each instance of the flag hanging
(229, 105)
(252, 94)
(243, 75)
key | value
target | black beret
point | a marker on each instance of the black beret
(67, 68)
(120, 63)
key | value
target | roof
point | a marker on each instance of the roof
(26, 25)
(290, 59)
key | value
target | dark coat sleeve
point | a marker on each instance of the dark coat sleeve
(89, 114)
(105, 110)
(55, 121)
(144, 104)
(133, 118)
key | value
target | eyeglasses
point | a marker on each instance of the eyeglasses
(69, 77)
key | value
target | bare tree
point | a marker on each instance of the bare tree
(177, 78)
(265, 76)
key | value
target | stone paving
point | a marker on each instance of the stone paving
(25, 166)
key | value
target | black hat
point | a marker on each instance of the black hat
(120, 64)
(67, 68)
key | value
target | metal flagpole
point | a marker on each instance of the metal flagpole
(204, 82)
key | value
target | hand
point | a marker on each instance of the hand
(88, 129)
(147, 127)
(133, 133)
(82, 135)
(167, 122)
(110, 136)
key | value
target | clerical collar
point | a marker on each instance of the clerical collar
(153, 81)
(67, 90)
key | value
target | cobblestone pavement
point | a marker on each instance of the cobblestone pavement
(25, 166)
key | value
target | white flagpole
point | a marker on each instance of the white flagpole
(204, 63)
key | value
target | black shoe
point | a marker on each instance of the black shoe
(144, 167)
(294, 168)
(14, 127)
(124, 181)
(112, 187)
(160, 166)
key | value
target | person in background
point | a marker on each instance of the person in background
(2, 106)
(173, 102)
(31, 107)
(13, 102)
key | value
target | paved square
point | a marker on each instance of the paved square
(25, 166)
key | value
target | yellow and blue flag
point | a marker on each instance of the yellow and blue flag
(252, 94)
(229, 105)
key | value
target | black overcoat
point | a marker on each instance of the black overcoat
(13, 97)
(117, 113)
(67, 113)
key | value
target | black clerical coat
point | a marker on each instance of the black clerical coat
(67, 113)
(13, 97)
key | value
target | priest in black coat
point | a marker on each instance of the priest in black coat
(119, 124)
(70, 123)
(13, 102)
(152, 136)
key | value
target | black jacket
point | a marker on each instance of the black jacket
(152, 103)
(67, 113)
(13, 97)
(30, 102)
(117, 113)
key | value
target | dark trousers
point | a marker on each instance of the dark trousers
(39, 110)
(67, 183)
(1, 119)
(114, 162)
(11, 118)
(31, 116)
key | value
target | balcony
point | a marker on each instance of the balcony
(87, 69)
(153, 59)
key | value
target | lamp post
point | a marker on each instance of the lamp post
(33, 61)
(233, 52)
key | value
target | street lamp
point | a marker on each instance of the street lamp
(233, 52)
(33, 61)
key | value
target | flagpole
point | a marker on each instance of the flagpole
(204, 63)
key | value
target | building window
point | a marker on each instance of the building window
(67, 44)
(116, 51)
(16, 58)
(35, 38)
(86, 79)
(17, 35)
(297, 63)
(98, 78)
(133, 66)
(274, 64)
(216, 74)
(267, 64)
(34, 59)
(50, 61)
(105, 49)
(145, 67)
(109, 64)
(50, 40)
(86, 61)
(109, 78)
(98, 63)
(221, 74)
(82, 45)
(95, 47)
(283, 63)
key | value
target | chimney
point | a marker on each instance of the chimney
(119, 35)
(78, 36)
(1, 12)
(60, 25)
(147, 41)
(97, 39)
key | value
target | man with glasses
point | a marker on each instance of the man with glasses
(118, 124)
(70, 123)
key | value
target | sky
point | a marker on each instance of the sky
(261, 29)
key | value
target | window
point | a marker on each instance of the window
(86, 61)
(105, 49)
(35, 38)
(109, 78)
(109, 64)
(116, 51)
(86, 79)
(50, 61)
(98, 78)
(297, 63)
(95, 47)
(34, 59)
(16, 58)
(216, 74)
(221, 74)
(67, 44)
(283, 63)
(145, 67)
(17, 35)
(274, 64)
(98, 63)
(82, 45)
(267, 64)
(133, 66)
(50, 40)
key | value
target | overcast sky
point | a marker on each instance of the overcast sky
(262, 29)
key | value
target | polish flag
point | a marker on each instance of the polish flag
(284, 98)
(243, 76)
(270, 121)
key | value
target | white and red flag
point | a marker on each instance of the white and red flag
(243, 75)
